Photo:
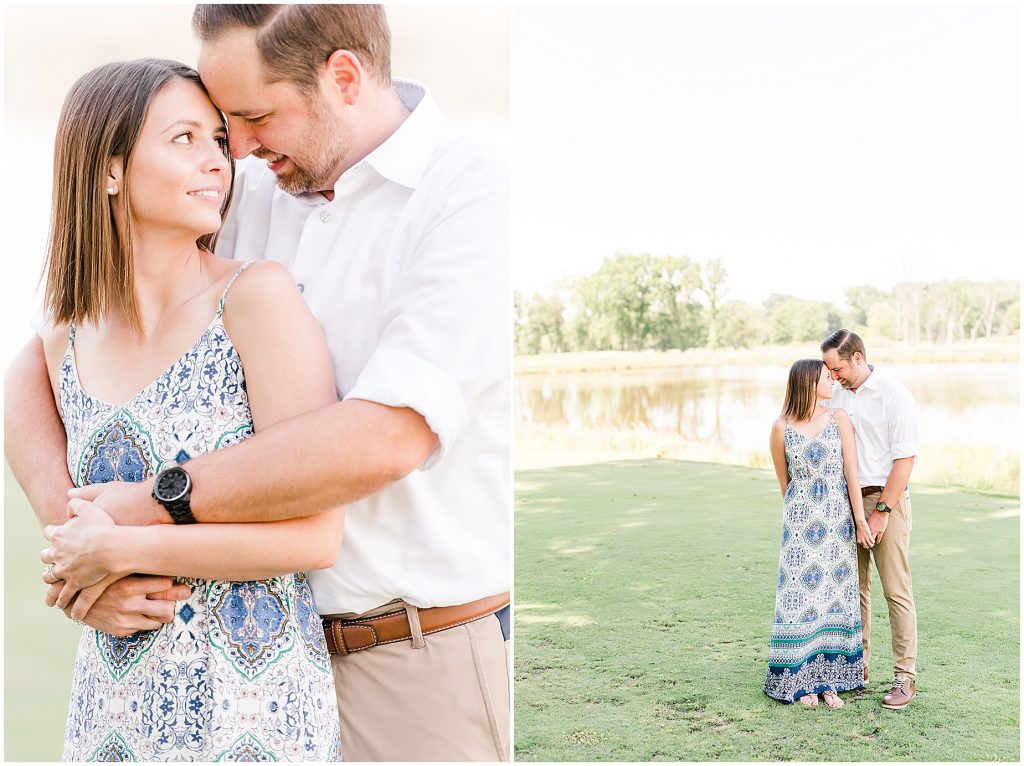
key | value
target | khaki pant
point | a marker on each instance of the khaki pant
(445, 701)
(892, 559)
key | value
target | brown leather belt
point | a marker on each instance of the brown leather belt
(347, 636)
(865, 491)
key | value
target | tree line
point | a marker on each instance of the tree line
(640, 301)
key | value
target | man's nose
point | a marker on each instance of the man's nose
(241, 140)
(833, 374)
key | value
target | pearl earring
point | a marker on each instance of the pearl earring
(111, 189)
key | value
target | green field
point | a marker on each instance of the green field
(644, 594)
(39, 643)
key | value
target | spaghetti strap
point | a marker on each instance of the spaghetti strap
(71, 334)
(224, 295)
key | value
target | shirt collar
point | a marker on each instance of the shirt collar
(404, 155)
(874, 380)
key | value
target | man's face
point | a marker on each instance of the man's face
(847, 372)
(302, 138)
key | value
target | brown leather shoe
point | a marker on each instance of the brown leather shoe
(902, 692)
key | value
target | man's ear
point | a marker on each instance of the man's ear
(345, 75)
(115, 175)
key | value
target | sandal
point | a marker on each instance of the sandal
(832, 700)
(809, 700)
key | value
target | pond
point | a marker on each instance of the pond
(972, 404)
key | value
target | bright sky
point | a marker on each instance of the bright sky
(811, 147)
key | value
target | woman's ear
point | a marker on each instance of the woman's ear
(115, 175)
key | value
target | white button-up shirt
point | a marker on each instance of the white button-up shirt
(885, 420)
(408, 272)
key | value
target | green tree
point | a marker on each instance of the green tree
(861, 300)
(742, 325)
(793, 320)
(545, 324)
(644, 302)
(712, 284)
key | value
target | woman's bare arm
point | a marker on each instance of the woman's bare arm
(777, 444)
(288, 372)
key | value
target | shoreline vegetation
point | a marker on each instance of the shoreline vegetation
(984, 470)
(982, 350)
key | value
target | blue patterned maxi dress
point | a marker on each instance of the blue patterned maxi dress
(243, 672)
(816, 637)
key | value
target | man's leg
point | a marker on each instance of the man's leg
(892, 557)
(864, 573)
(447, 701)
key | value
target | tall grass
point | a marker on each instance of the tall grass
(986, 350)
(971, 467)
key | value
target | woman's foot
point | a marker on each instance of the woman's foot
(832, 700)
(809, 700)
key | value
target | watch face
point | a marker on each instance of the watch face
(880, 506)
(172, 484)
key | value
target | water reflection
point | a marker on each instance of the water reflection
(735, 405)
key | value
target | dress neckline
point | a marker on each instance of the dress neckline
(217, 319)
(831, 420)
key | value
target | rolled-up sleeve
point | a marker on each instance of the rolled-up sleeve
(397, 378)
(902, 424)
(446, 329)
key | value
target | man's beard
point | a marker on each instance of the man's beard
(327, 147)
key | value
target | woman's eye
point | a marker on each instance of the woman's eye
(184, 138)
(222, 142)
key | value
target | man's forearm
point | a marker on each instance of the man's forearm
(34, 440)
(312, 462)
(898, 479)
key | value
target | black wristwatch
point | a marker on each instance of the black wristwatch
(882, 507)
(172, 488)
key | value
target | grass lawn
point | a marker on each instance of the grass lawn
(39, 643)
(644, 594)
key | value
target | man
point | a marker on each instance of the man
(397, 237)
(885, 421)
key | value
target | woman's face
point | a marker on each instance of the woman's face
(824, 389)
(180, 173)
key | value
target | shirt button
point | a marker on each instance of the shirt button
(302, 287)
(325, 216)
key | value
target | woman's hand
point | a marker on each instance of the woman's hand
(865, 536)
(79, 551)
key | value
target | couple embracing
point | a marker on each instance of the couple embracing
(843, 450)
(262, 571)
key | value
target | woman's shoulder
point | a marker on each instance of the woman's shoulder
(260, 295)
(260, 279)
(842, 417)
(779, 425)
(55, 337)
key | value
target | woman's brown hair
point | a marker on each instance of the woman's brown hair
(800, 388)
(90, 266)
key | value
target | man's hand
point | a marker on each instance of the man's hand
(122, 606)
(129, 504)
(877, 523)
(865, 536)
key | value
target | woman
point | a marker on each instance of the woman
(142, 179)
(816, 638)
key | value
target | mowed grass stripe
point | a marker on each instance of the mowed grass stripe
(644, 600)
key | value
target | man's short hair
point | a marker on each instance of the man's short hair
(845, 343)
(295, 41)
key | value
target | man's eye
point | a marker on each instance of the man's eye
(258, 120)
